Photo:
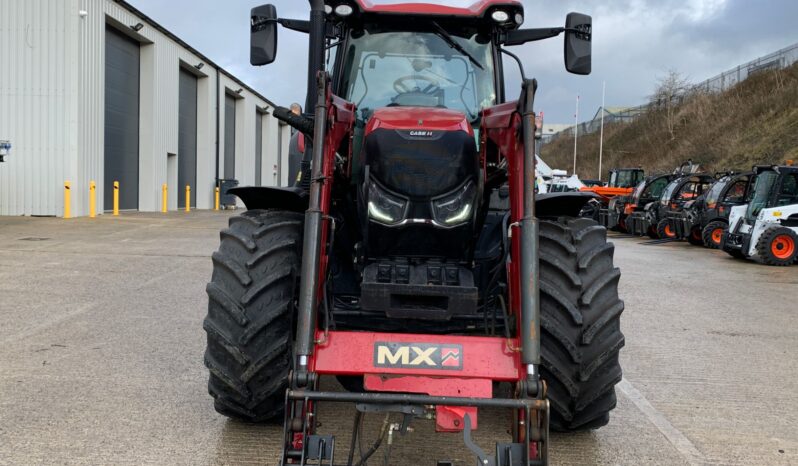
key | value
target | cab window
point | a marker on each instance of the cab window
(655, 189)
(736, 192)
(788, 194)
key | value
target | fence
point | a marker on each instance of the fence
(775, 61)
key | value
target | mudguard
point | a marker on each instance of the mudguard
(290, 199)
(562, 204)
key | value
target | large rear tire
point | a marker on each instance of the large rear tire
(580, 323)
(250, 303)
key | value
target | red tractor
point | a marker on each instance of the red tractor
(413, 260)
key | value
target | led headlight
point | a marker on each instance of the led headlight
(456, 208)
(344, 10)
(385, 208)
(500, 16)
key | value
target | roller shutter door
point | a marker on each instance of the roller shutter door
(122, 61)
(187, 139)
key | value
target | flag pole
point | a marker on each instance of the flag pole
(601, 138)
(576, 131)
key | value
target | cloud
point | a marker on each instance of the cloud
(635, 41)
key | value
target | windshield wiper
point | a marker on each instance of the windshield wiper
(441, 32)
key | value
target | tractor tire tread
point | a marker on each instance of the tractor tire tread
(580, 325)
(248, 324)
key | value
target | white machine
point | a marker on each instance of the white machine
(767, 227)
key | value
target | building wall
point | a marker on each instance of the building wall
(52, 101)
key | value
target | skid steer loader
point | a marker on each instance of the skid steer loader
(703, 221)
(414, 260)
(767, 226)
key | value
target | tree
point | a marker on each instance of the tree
(670, 92)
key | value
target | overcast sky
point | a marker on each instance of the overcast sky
(635, 42)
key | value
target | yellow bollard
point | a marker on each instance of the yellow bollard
(92, 199)
(67, 199)
(116, 199)
(188, 198)
(164, 198)
(216, 203)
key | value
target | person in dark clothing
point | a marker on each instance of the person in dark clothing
(294, 153)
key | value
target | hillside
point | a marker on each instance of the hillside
(754, 122)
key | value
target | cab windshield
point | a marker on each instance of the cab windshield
(760, 195)
(668, 193)
(714, 193)
(418, 69)
(625, 178)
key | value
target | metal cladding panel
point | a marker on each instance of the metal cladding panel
(187, 139)
(37, 112)
(229, 137)
(122, 58)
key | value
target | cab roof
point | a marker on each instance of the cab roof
(478, 9)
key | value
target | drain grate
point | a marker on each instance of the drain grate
(34, 238)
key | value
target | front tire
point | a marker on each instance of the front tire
(778, 246)
(250, 303)
(580, 323)
(665, 230)
(713, 234)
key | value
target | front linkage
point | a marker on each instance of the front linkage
(416, 376)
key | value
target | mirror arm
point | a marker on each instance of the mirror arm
(303, 25)
(522, 36)
(299, 25)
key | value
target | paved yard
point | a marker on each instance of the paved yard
(101, 348)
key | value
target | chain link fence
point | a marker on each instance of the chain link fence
(775, 61)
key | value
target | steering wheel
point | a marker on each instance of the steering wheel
(401, 88)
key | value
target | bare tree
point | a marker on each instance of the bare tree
(670, 92)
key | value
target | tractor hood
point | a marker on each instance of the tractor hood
(419, 152)
(420, 120)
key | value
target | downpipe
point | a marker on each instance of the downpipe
(530, 249)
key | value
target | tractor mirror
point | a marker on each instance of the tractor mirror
(578, 43)
(263, 35)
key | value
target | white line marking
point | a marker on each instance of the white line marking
(682, 444)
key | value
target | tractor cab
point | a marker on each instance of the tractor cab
(626, 177)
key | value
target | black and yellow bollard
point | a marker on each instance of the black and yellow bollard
(116, 199)
(67, 199)
(216, 199)
(92, 199)
(188, 198)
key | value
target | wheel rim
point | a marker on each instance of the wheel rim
(717, 235)
(696, 235)
(669, 231)
(782, 247)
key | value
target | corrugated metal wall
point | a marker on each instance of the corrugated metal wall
(52, 100)
(37, 103)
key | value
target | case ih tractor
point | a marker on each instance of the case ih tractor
(703, 221)
(767, 226)
(416, 264)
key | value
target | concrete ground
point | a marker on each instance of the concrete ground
(101, 348)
